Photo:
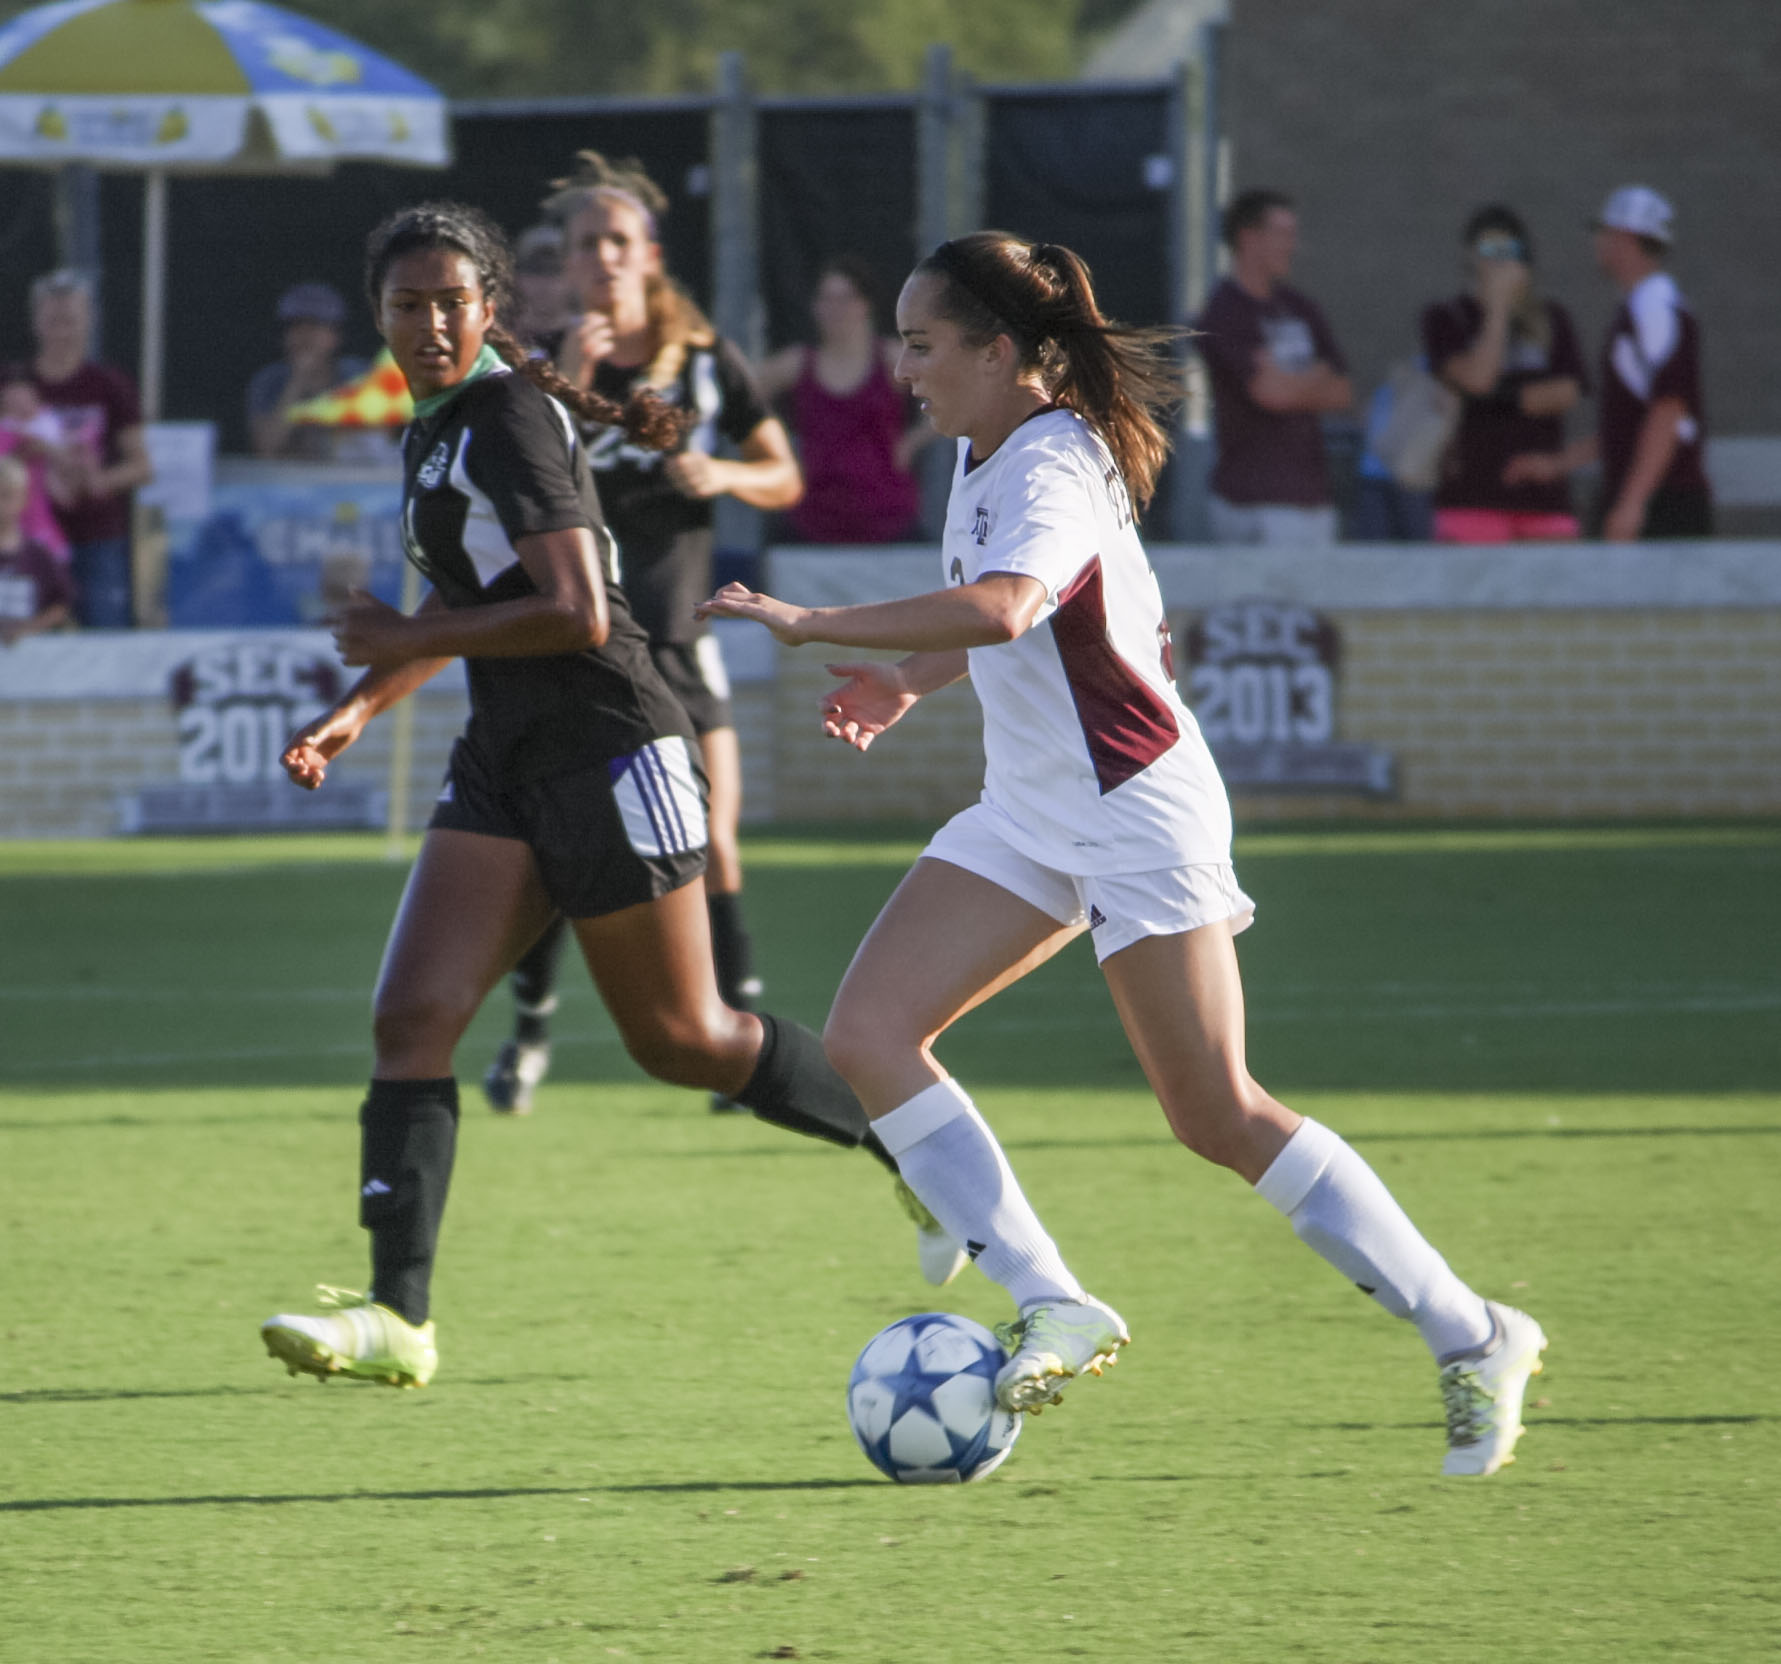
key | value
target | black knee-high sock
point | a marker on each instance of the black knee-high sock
(535, 983)
(408, 1136)
(794, 1085)
(731, 951)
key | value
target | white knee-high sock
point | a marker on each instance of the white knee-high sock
(1340, 1207)
(951, 1160)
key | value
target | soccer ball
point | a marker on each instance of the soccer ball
(922, 1401)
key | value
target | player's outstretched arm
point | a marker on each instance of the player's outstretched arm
(308, 752)
(874, 696)
(997, 608)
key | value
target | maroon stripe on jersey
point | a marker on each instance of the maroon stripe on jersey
(1126, 723)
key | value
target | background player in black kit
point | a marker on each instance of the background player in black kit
(636, 330)
(574, 790)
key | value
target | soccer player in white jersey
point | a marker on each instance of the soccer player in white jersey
(1101, 811)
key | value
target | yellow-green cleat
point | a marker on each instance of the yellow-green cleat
(1050, 1344)
(354, 1337)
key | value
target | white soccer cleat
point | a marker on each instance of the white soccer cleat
(514, 1075)
(1051, 1343)
(941, 1257)
(1483, 1392)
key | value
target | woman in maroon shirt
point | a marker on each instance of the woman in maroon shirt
(856, 442)
(1512, 356)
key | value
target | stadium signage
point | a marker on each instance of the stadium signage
(238, 702)
(1261, 678)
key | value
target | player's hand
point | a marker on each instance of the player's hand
(586, 342)
(694, 474)
(308, 752)
(871, 698)
(788, 623)
(368, 631)
(1501, 283)
(1534, 468)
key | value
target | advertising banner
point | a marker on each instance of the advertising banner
(283, 546)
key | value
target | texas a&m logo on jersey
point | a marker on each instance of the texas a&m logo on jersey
(980, 526)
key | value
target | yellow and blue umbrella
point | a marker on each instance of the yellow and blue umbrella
(201, 85)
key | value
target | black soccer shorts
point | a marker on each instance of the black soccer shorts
(606, 837)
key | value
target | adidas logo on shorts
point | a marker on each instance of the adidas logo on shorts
(1096, 918)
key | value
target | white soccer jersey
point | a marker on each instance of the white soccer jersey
(1094, 762)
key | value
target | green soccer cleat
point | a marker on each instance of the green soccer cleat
(1051, 1343)
(1483, 1392)
(941, 1258)
(355, 1337)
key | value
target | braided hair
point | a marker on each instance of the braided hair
(470, 232)
(1121, 379)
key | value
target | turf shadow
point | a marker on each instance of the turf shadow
(491, 1493)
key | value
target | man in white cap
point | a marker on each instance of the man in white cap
(1651, 431)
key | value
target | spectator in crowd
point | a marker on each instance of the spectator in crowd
(1386, 510)
(101, 422)
(32, 434)
(1652, 430)
(311, 315)
(540, 290)
(1276, 370)
(35, 593)
(1511, 354)
(856, 441)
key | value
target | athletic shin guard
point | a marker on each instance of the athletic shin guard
(795, 1086)
(408, 1137)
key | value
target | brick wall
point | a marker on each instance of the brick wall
(65, 763)
(1569, 681)
(1560, 714)
(1390, 120)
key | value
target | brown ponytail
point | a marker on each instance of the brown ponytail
(1119, 378)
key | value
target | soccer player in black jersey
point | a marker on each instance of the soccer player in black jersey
(574, 790)
(637, 330)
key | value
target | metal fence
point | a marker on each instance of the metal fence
(761, 191)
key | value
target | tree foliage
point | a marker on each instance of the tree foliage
(534, 48)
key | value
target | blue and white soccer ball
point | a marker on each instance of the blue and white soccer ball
(922, 1401)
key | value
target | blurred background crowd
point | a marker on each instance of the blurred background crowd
(1485, 280)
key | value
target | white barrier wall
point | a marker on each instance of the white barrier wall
(1561, 680)
(1391, 682)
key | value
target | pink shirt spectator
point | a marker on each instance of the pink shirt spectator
(39, 521)
(854, 490)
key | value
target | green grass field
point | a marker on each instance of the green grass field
(1562, 1049)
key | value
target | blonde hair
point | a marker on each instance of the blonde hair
(676, 325)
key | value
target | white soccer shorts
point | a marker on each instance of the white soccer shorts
(1118, 908)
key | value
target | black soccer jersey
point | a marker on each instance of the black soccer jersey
(499, 462)
(664, 536)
